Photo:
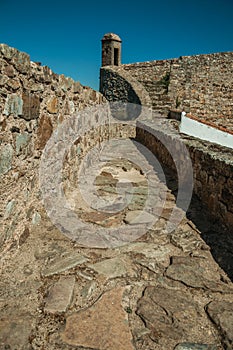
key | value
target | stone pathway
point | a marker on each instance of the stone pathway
(161, 291)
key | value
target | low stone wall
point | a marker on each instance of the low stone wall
(212, 166)
(201, 85)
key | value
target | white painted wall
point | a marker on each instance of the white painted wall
(205, 132)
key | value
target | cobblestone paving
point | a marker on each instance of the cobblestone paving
(162, 291)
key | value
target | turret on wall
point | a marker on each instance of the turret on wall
(111, 50)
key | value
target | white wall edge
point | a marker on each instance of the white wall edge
(205, 132)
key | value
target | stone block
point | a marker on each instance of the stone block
(3, 79)
(103, 326)
(9, 71)
(15, 331)
(14, 84)
(31, 106)
(195, 346)
(44, 131)
(221, 313)
(60, 295)
(63, 263)
(7, 51)
(52, 105)
(76, 87)
(6, 155)
(65, 82)
(22, 141)
(13, 105)
(21, 61)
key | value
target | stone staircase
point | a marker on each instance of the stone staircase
(161, 101)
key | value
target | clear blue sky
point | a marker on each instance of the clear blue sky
(65, 35)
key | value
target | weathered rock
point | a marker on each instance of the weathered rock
(14, 84)
(6, 159)
(23, 237)
(188, 240)
(192, 346)
(31, 106)
(22, 141)
(9, 71)
(15, 331)
(45, 130)
(155, 252)
(116, 267)
(105, 179)
(63, 263)
(10, 208)
(3, 79)
(7, 51)
(102, 218)
(103, 326)
(65, 82)
(60, 295)
(36, 218)
(194, 273)
(13, 105)
(35, 87)
(171, 314)
(139, 217)
(21, 61)
(88, 289)
(52, 105)
(221, 313)
(77, 87)
(47, 74)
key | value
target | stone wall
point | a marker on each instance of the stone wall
(200, 85)
(33, 102)
(212, 166)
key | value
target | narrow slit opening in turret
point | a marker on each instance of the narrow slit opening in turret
(116, 57)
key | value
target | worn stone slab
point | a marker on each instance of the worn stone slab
(221, 313)
(15, 331)
(194, 272)
(174, 315)
(22, 141)
(116, 267)
(103, 326)
(52, 105)
(63, 263)
(159, 253)
(45, 130)
(188, 239)
(13, 105)
(31, 106)
(60, 295)
(6, 156)
(136, 217)
(192, 346)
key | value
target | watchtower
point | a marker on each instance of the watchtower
(111, 50)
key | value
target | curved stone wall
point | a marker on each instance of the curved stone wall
(212, 166)
(119, 85)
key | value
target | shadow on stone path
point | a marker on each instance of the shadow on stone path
(218, 238)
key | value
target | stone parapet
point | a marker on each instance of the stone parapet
(212, 165)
